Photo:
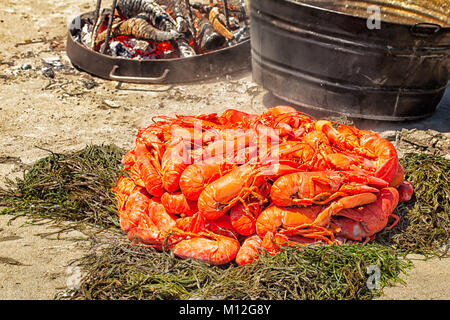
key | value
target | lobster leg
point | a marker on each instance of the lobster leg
(348, 141)
(323, 218)
(365, 222)
(258, 179)
(310, 231)
(293, 221)
(272, 242)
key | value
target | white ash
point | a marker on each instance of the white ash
(185, 49)
(140, 45)
(242, 34)
(86, 34)
(15, 70)
(117, 49)
(54, 63)
(234, 23)
(25, 66)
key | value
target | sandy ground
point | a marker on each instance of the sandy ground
(72, 109)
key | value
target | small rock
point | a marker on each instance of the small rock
(8, 63)
(388, 135)
(89, 83)
(111, 104)
(53, 62)
(48, 72)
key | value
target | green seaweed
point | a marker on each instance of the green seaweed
(314, 272)
(423, 227)
(76, 187)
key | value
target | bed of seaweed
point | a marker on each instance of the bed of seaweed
(75, 190)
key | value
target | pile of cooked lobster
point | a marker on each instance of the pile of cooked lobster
(228, 187)
(164, 29)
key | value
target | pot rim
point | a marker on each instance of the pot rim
(299, 3)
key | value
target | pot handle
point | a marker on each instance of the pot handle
(425, 28)
(152, 80)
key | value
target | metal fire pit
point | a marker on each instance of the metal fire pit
(322, 55)
(214, 64)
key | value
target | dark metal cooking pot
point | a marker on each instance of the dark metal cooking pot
(214, 64)
(328, 55)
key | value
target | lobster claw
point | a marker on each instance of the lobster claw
(349, 202)
(367, 221)
(366, 179)
(405, 191)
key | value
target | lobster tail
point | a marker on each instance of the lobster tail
(213, 249)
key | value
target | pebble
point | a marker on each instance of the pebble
(53, 62)
(111, 104)
(48, 72)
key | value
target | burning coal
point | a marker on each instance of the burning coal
(164, 29)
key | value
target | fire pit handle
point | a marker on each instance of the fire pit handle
(153, 80)
(425, 29)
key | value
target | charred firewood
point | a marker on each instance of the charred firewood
(227, 13)
(190, 20)
(159, 18)
(214, 18)
(242, 34)
(100, 19)
(140, 28)
(184, 50)
(110, 23)
(156, 14)
(190, 28)
(233, 9)
(198, 6)
(209, 38)
(182, 25)
(97, 10)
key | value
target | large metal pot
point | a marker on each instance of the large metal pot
(214, 64)
(330, 55)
